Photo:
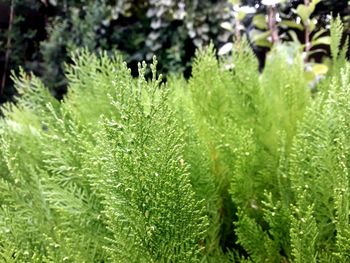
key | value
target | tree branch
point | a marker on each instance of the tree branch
(8, 48)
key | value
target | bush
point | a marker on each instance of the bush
(229, 166)
(45, 32)
(172, 30)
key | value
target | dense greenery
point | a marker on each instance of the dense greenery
(229, 166)
(44, 32)
(172, 30)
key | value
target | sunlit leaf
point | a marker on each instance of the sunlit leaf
(319, 69)
(292, 24)
(314, 2)
(247, 9)
(319, 33)
(294, 36)
(259, 21)
(257, 35)
(304, 12)
(225, 49)
(235, 2)
(227, 25)
(321, 41)
(315, 51)
(263, 43)
(53, 2)
(312, 25)
(309, 76)
(272, 2)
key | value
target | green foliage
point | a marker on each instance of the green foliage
(303, 232)
(45, 32)
(336, 32)
(66, 33)
(111, 187)
(172, 30)
(231, 166)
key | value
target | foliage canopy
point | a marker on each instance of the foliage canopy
(231, 166)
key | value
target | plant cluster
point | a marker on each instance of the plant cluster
(172, 30)
(230, 166)
(273, 21)
(43, 33)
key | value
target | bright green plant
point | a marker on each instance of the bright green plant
(230, 166)
(97, 188)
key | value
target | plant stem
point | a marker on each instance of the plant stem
(237, 24)
(237, 30)
(307, 36)
(272, 12)
(8, 48)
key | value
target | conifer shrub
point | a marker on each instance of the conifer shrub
(230, 166)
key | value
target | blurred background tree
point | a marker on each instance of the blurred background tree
(41, 33)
